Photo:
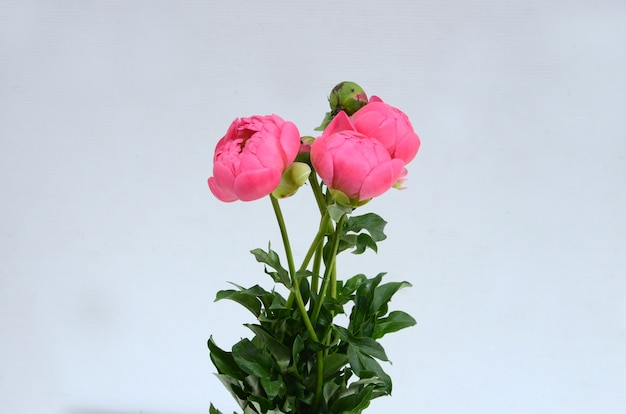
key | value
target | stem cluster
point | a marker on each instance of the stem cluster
(300, 360)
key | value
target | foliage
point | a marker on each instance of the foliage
(287, 368)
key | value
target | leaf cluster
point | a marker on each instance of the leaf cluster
(286, 367)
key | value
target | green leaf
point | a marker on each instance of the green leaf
(281, 353)
(213, 410)
(346, 241)
(383, 294)
(336, 211)
(251, 359)
(371, 222)
(235, 387)
(354, 403)
(364, 366)
(362, 319)
(303, 281)
(396, 321)
(249, 301)
(333, 364)
(297, 348)
(270, 258)
(352, 285)
(272, 387)
(224, 361)
(367, 346)
(364, 241)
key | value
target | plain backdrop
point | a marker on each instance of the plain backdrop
(512, 229)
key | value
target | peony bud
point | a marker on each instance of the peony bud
(292, 179)
(348, 97)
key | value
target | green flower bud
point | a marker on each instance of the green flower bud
(348, 97)
(292, 179)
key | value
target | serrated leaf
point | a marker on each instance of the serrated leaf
(396, 321)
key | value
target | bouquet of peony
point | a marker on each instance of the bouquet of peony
(299, 358)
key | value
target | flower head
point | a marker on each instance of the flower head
(251, 158)
(355, 167)
(390, 126)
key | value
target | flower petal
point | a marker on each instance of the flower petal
(381, 178)
(252, 185)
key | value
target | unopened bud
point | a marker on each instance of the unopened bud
(292, 179)
(348, 97)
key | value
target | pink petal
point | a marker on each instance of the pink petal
(340, 122)
(381, 179)
(322, 160)
(219, 193)
(252, 185)
(290, 142)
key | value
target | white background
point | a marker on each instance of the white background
(512, 230)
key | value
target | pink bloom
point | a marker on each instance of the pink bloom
(250, 159)
(390, 126)
(354, 164)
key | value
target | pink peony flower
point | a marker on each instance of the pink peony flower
(251, 158)
(390, 126)
(354, 166)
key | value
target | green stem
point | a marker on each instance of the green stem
(317, 263)
(314, 249)
(319, 385)
(330, 277)
(317, 192)
(329, 271)
(295, 282)
(317, 241)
